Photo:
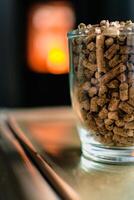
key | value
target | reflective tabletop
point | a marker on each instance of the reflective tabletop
(52, 132)
(19, 178)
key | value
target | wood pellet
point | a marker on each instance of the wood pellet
(103, 59)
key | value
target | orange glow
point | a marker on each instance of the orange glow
(57, 58)
(47, 41)
(49, 135)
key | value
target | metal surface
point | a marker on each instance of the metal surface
(53, 134)
(19, 179)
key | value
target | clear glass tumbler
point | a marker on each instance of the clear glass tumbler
(102, 93)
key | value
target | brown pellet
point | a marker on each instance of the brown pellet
(103, 61)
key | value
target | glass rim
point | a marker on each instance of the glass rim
(74, 33)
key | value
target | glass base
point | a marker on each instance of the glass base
(104, 154)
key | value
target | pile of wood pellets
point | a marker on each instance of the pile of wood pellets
(103, 62)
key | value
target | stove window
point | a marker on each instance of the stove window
(47, 48)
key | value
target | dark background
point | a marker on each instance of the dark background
(20, 87)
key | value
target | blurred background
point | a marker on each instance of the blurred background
(33, 46)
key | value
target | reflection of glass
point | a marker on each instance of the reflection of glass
(104, 100)
(89, 165)
(47, 44)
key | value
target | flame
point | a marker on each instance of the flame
(57, 61)
(47, 41)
